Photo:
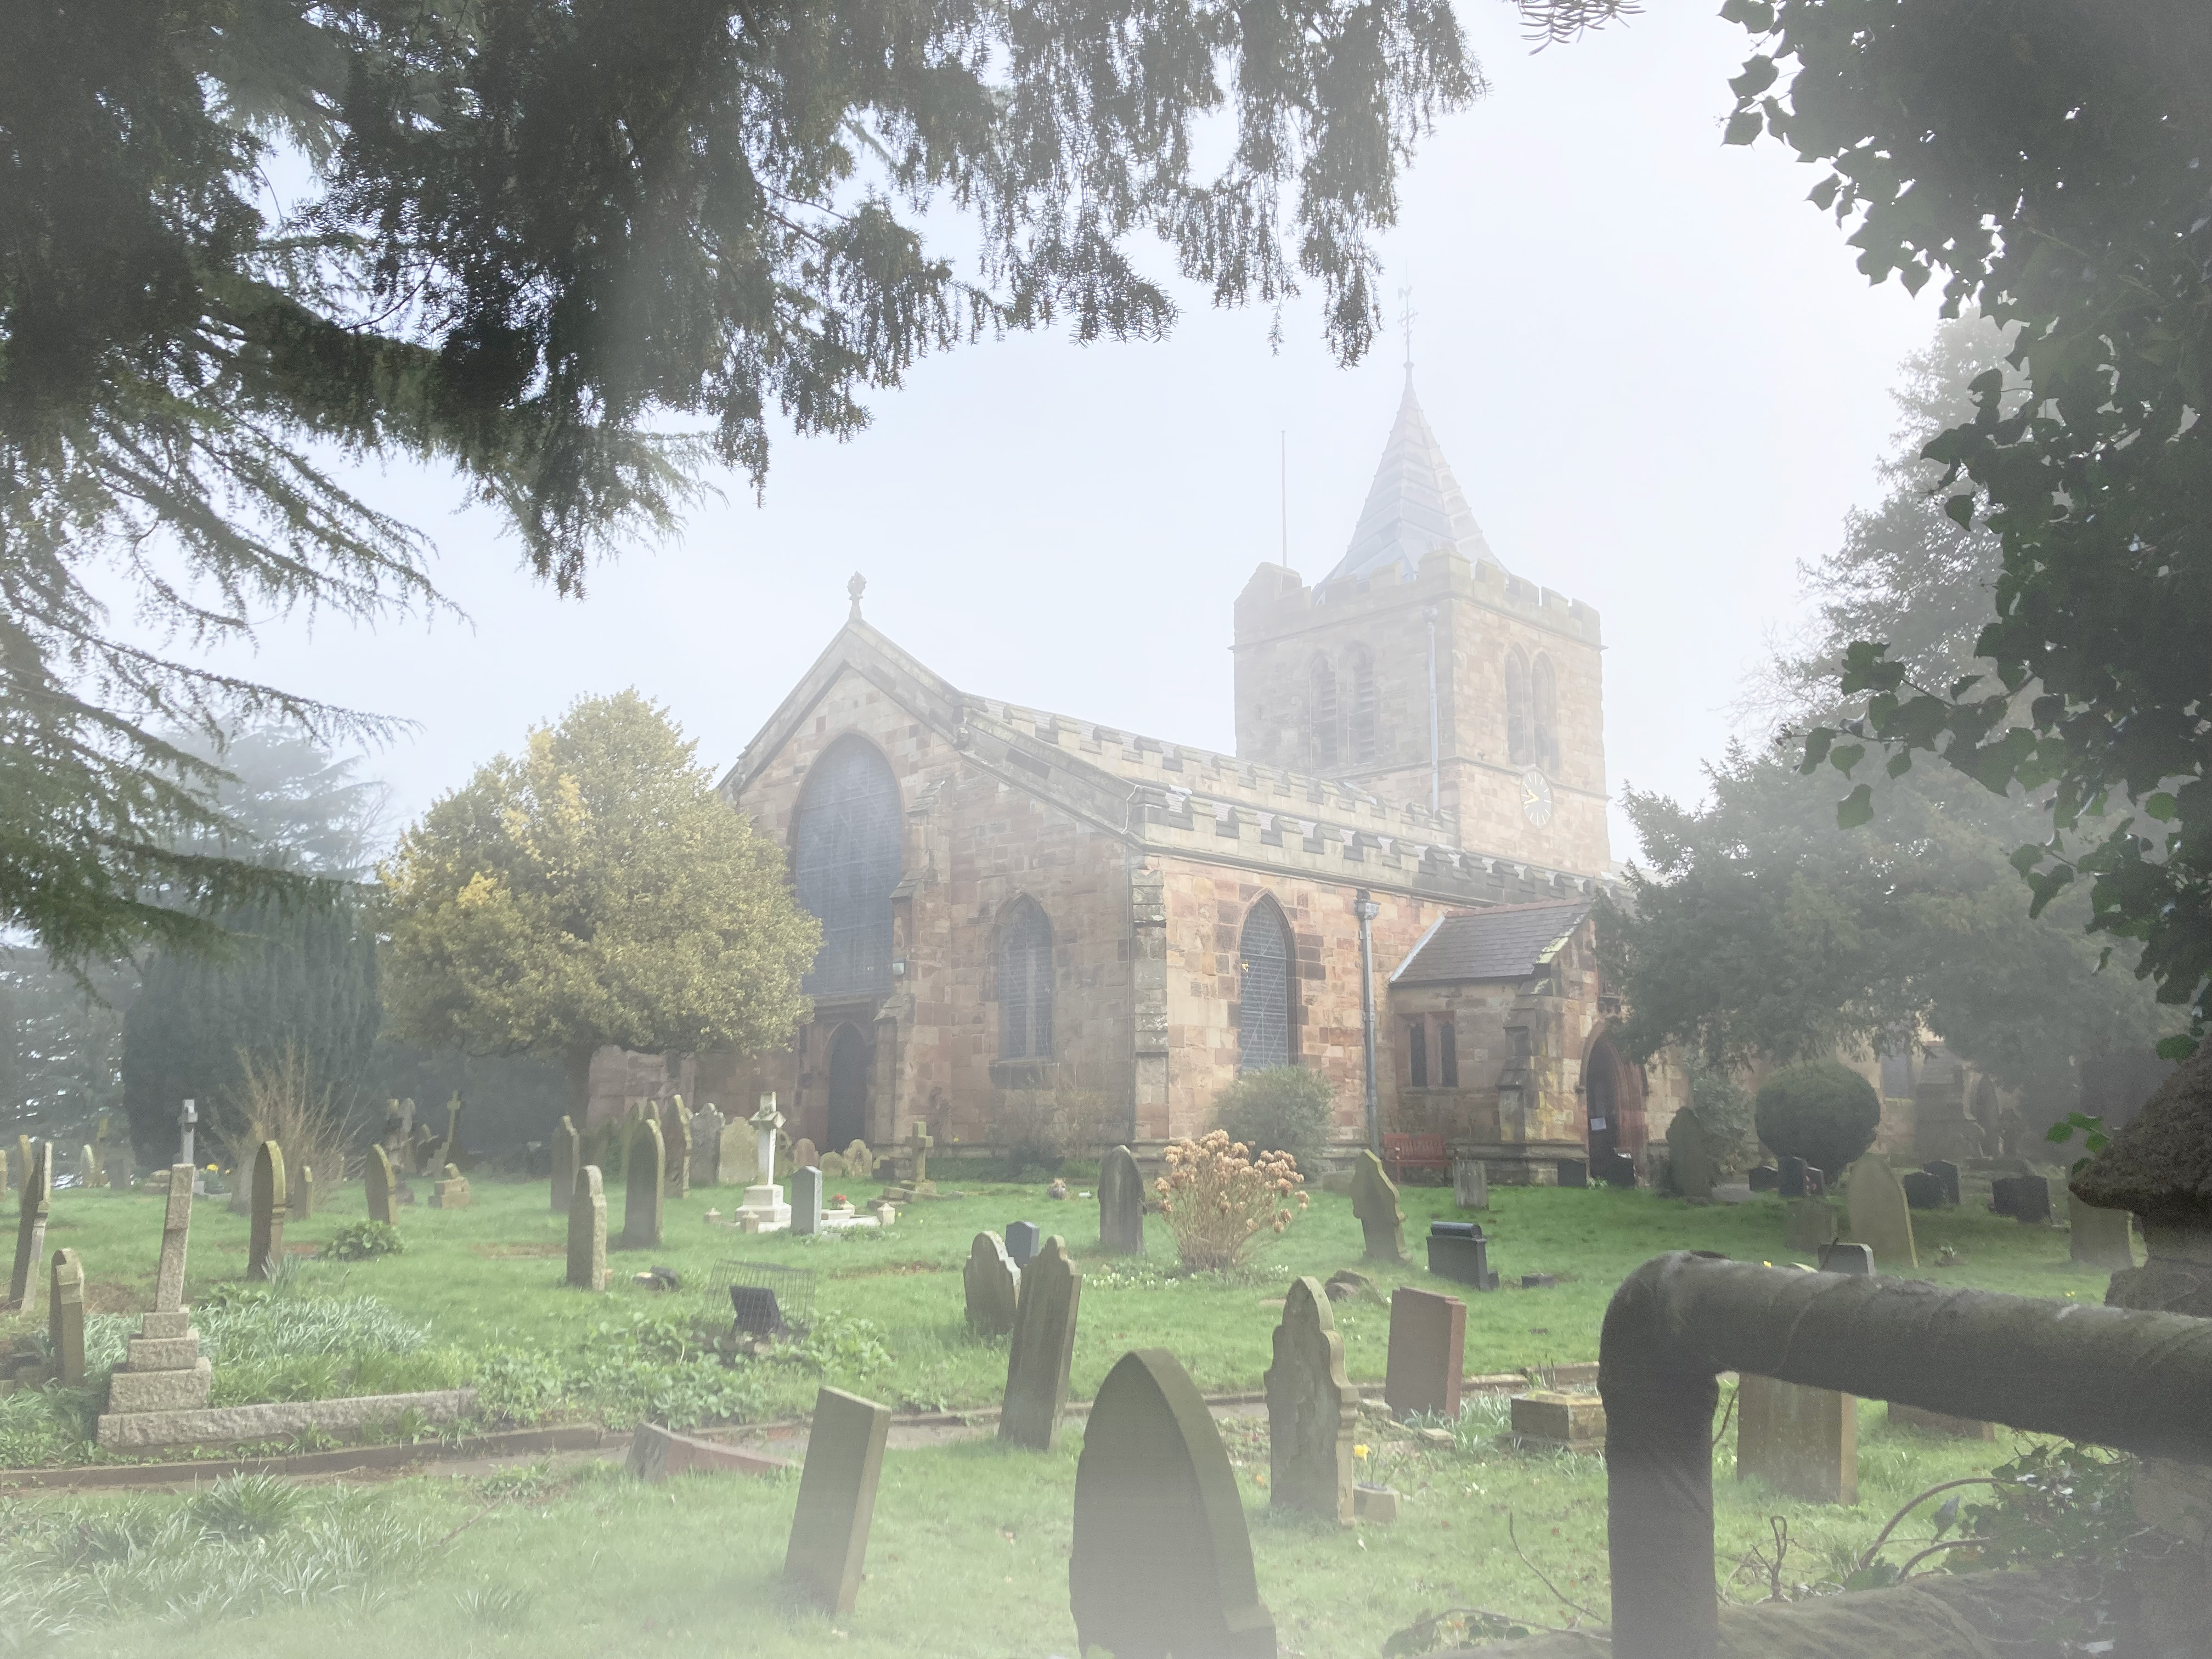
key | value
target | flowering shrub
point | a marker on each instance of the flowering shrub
(1216, 1198)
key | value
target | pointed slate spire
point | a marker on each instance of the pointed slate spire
(1413, 506)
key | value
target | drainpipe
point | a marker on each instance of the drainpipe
(1364, 907)
(2141, 1381)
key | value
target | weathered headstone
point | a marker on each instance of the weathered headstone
(65, 1319)
(1375, 1201)
(1043, 1349)
(33, 1202)
(1470, 1183)
(993, 1285)
(804, 1155)
(264, 1246)
(423, 1152)
(1428, 1353)
(806, 1182)
(737, 1163)
(1023, 1239)
(1121, 1204)
(1880, 1216)
(23, 1156)
(1311, 1409)
(860, 1162)
(707, 1126)
(451, 1190)
(1809, 1222)
(1923, 1191)
(2025, 1199)
(655, 1454)
(587, 1231)
(1801, 1441)
(644, 1176)
(88, 1175)
(1691, 1166)
(2099, 1239)
(3, 1175)
(675, 1137)
(164, 1369)
(376, 1177)
(568, 1157)
(176, 1232)
(1947, 1172)
(1161, 1562)
(837, 1498)
(1763, 1178)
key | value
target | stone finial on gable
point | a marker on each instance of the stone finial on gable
(854, 589)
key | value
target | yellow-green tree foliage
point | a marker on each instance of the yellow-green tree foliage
(593, 891)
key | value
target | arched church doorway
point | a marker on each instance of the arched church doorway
(851, 1059)
(1601, 1096)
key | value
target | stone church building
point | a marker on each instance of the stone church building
(1020, 908)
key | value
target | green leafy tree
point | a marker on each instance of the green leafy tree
(578, 255)
(61, 1046)
(595, 890)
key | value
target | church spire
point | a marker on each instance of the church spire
(1414, 505)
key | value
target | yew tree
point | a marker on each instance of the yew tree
(593, 891)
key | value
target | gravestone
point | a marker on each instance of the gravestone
(1801, 1441)
(644, 1174)
(2025, 1199)
(1881, 1217)
(449, 1149)
(1022, 1241)
(1692, 1167)
(860, 1162)
(88, 1174)
(1923, 1191)
(1947, 1172)
(1809, 1222)
(1573, 1172)
(65, 1319)
(23, 1159)
(1428, 1354)
(1792, 1181)
(803, 1157)
(1614, 1169)
(1470, 1183)
(1375, 1201)
(176, 1232)
(1042, 1348)
(993, 1285)
(32, 1204)
(376, 1175)
(675, 1137)
(738, 1162)
(2099, 1239)
(568, 1154)
(305, 1207)
(1121, 1204)
(587, 1231)
(706, 1127)
(1458, 1250)
(1161, 1561)
(450, 1191)
(1311, 1409)
(264, 1246)
(807, 1199)
(837, 1498)
(164, 1369)
(421, 1152)
(1763, 1178)
(1856, 1259)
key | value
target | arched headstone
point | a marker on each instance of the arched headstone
(587, 1231)
(1121, 1204)
(378, 1178)
(993, 1286)
(265, 1245)
(644, 1186)
(1311, 1409)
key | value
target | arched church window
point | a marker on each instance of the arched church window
(845, 859)
(1518, 748)
(1264, 958)
(1025, 984)
(1366, 732)
(1544, 702)
(1323, 717)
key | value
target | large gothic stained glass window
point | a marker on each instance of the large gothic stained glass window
(1264, 960)
(1025, 984)
(844, 863)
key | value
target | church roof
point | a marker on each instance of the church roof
(1504, 942)
(1413, 507)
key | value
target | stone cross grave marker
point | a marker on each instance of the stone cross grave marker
(1162, 1561)
(2099, 1238)
(837, 1498)
(1809, 1222)
(765, 1122)
(176, 1232)
(806, 1199)
(1375, 1201)
(1947, 1172)
(645, 1177)
(1022, 1241)
(1881, 1217)
(1801, 1441)
(25, 1282)
(264, 1246)
(450, 1147)
(587, 1231)
(376, 1177)
(164, 1369)
(1690, 1157)
(675, 1136)
(65, 1319)
(187, 1116)
(568, 1155)
(1043, 1348)
(993, 1285)
(1470, 1183)
(707, 1126)
(918, 1142)
(1121, 1204)
(1311, 1409)
(1428, 1353)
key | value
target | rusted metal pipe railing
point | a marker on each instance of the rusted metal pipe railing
(2141, 1381)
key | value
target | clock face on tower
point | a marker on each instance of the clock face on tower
(1536, 796)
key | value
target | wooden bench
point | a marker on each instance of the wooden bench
(1426, 1154)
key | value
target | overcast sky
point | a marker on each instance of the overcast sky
(1653, 367)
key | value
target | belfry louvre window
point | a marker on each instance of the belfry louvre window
(1025, 984)
(1544, 701)
(1324, 721)
(1520, 739)
(1263, 976)
(845, 864)
(1365, 728)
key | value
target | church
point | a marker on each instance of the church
(1019, 908)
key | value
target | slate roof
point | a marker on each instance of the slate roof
(1413, 507)
(1506, 941)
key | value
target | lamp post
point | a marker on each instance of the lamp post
(1364, 907)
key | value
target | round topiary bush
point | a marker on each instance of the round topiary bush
(1822, 1111)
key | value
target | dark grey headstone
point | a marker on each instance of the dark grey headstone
(1855, 1259)
(1947, 1172)
(2025, 1199)
(1792, 1181)
(1121, 1204)
(1614, 1169)
(1042, 1348)
(1766, 1178)
(1464, 1260)
(1022, 1241)
(1923, 1191)
(1574, 1172)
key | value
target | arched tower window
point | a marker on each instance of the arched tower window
(1544, 705)
(1264, 984)
(1365, 724)
(1025, 984)
(845, 859)
(1518, 748)
(1323, 717)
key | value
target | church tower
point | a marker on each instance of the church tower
(1420, 668)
